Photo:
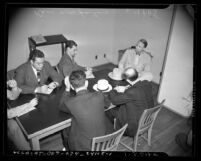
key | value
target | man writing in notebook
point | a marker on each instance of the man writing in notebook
(32, 76)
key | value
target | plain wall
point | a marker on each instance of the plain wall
(177, 80)
(97, 32)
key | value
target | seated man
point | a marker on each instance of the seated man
(32, 75)
(67, 63)
(138, 59)
(88, 116)
(131, 103)
(15, 134)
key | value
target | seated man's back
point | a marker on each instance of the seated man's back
(88, 116)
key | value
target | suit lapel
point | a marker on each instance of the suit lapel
(31, 73)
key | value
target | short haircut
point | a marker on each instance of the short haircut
(130, 74)
(36, 53)
(144, 42)
(70, 44)
(77, 78)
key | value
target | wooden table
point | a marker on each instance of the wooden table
(46, 119)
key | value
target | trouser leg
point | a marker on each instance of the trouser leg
(64, 135)
(16, 135)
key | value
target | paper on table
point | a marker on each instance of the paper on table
(26, 110)
(49, 90)
(88, 76)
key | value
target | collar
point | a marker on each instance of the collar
(35, 71)
(69, 56)
(80, 89)
(134, 82)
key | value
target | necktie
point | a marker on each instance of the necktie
(38, 76)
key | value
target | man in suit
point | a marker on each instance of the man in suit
(136, 57)
(67, 63)
(131, 103)
(14, 132)
(32, 76)
(88, 116)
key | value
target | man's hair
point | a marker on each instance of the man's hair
(70, 44)
(36, 53)
(77, 78)
(130, 74)
(144, 42)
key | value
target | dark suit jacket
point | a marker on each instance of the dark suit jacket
(66, 65)
(26, 78)
(88, 119)
(132, 104)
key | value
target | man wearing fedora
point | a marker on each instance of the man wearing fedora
(131, 103)
(88, 117)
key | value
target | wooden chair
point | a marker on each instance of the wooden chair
(145, 126)
(108, 142)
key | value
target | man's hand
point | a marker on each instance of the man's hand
(12, 83)
(53, 85)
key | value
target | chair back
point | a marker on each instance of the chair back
(148, 117)
(108, 142)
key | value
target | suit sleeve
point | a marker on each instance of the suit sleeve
(107, 101)
(20, 79)
(123, 60)
(62, 104)
(121, 98)
(67, 68)
(53, 74)
(147, 63)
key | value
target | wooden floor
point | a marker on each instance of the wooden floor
(166, 127)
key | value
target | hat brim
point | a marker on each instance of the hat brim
(95, 87)
(112, 77)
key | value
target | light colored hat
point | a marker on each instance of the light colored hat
(116, 74)
(102, 85)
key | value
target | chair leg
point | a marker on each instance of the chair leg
(149, 136)
(135, 142)
(115, 123)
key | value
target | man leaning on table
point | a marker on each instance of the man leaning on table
(14, 132)
(88, 116)
(131, 101)
(32, 75)
(67, 63)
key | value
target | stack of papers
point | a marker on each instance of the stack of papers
(26, 110)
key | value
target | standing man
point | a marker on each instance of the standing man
(131, 103)
(67, 63)
(32, 76)
(88, 116)
(138, 59)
